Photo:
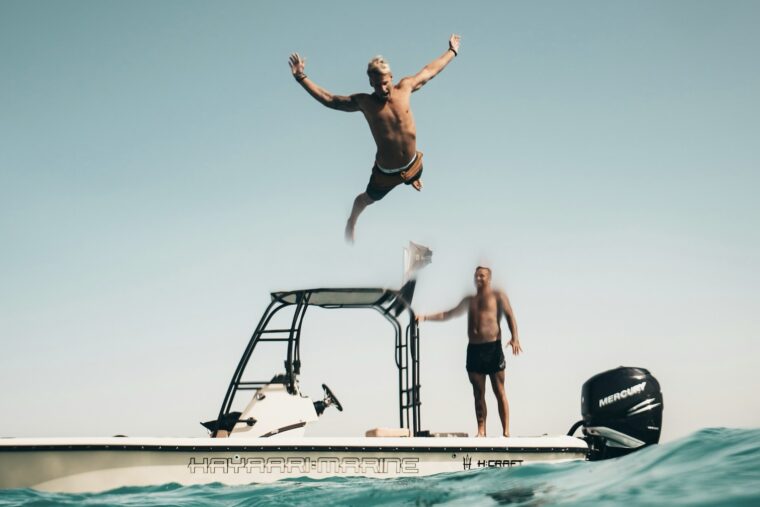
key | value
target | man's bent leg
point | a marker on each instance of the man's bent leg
(497, 383)
(478, 381)
(362, 201)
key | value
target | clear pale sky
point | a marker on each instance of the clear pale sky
(161, 173)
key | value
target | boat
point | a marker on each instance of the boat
(259, 434)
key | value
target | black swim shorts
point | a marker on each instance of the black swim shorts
(485, 358)
(381, 183)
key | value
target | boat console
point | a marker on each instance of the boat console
(277, 407)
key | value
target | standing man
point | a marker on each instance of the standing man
(485, 357)
(389, 115)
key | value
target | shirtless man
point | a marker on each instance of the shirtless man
(484, 354)
(389, 115)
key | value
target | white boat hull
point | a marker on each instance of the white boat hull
(92, 465)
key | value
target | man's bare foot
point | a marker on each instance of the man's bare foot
(506, 435)
(349, 233)
(417, 184)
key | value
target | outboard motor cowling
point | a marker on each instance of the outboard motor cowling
(622, 411)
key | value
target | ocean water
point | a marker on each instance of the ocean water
(716, 466)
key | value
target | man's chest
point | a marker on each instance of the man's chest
(390, 113)
(486, 305)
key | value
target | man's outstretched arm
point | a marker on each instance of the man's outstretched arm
(432, 69)
(457, 310)
(514, 342)
(339, 102)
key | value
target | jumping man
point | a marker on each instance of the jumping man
(390, 120)
(484, 351)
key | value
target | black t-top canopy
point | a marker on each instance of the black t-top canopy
(339, 298)
(390, 303)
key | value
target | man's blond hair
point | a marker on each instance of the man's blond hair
(378, 66)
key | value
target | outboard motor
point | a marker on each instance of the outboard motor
(622, 412)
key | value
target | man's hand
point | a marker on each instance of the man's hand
(419, 318)
(454, 43)
(515, 344)
(297, 65)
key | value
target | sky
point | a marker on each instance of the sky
(161, 173)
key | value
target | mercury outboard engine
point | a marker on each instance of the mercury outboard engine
(622, 412)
